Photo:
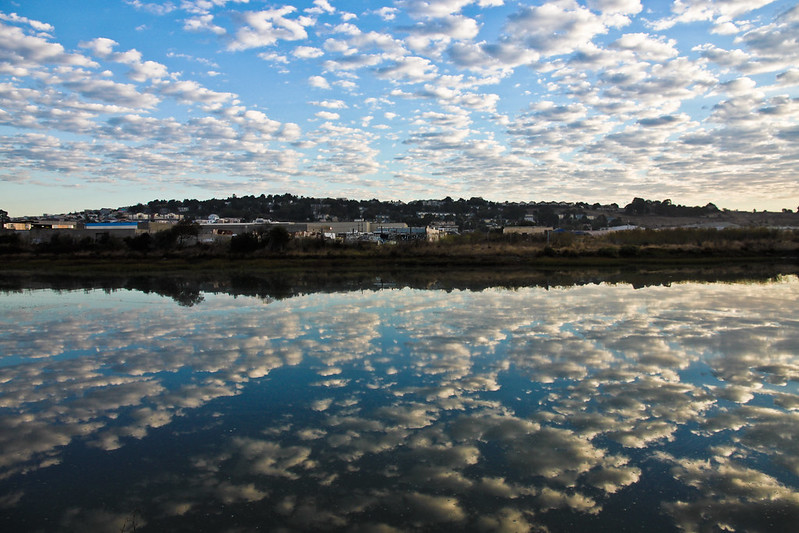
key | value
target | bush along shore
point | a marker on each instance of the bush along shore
(276, 247)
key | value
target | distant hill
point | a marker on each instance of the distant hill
(469, 214)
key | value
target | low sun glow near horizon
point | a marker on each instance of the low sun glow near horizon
(107, 103)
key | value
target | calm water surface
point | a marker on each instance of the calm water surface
(589, 408)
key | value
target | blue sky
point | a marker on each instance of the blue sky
(106, 103)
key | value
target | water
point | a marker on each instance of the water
(599, 407)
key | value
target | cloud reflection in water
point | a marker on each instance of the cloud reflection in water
(501, 410)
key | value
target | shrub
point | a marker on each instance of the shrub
(139, 243)
(277, 238)
(10, 243)
(607, 251)
(629, 250)
(244, 243)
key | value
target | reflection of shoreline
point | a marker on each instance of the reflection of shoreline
(186, 288)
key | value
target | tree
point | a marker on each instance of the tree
(184, 229)
(547, 216)
(244, 243)
(599, 222)
(139, 243)
(514, 212)
(10, 243)
(278, 238)
(638, 206)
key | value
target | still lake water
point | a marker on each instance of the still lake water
(599, 407)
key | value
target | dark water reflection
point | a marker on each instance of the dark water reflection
(592, 407)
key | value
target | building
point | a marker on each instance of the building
(359, 226)
(18, 226)
(525, 230)
(113, 229)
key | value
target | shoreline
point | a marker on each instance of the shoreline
(356, 260)
(469, 251)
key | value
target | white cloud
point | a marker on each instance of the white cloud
(29, 51)
(347, 85)
(345, 150)
(327, 115)
(647, 47)
(789, 78)
(775, 45)
(188, 91)
(441, 31)
(321, 6)
(352, 62)
(319, 82)
(350, 29)
(152, 7)
(203, 23)
(35, 24)
(307, 52)
(555, 28)
(386, 13)
(274, 57)
(500, 56)
(202, 7)
(725, 28)
(739, 86)
(265, 28)
(332, 104)
(440, 8)
(737, 59)
(624, 7)
(139, 70)
(412, 69)
(108, 91)
(101, 46)
(686, 11)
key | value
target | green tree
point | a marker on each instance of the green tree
(185, 229)
(245, 243)
(10, 243)
(547, 216)
(599, 222)
(139, 243)
(638, 206)
(278, 238)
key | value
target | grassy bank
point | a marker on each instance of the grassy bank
(487, 250)
(488, 258)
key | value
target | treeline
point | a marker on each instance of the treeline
(666, 208)
(180, 236)
(290, 208)
(480, 248)
(469, 214)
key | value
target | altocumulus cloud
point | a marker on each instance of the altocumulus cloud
(599, 100)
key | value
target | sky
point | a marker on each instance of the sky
(107, 103)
